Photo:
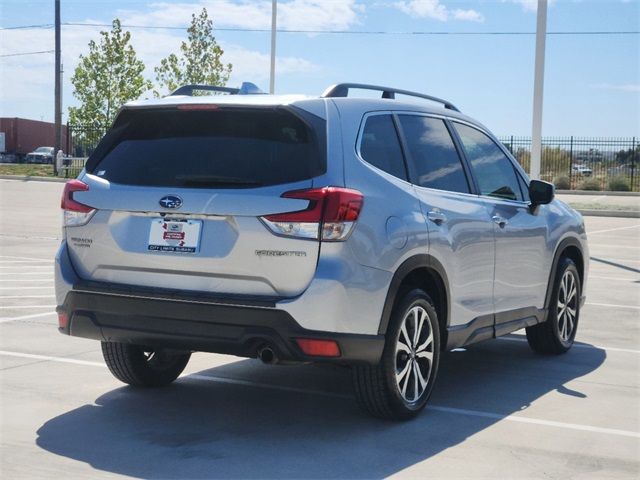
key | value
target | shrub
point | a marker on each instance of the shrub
(619, 184)
(562, 183)
(590, 184)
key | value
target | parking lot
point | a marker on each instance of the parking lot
(498, 409)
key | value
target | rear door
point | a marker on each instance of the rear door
(179, 193)
(461, 234)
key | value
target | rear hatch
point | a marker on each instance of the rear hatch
(175, 198)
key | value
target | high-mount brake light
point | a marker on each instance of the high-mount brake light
(198, 107)
(330, 215)
(75, 214)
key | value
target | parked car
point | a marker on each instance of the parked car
(40, 155)
(371, 233)
(582, 170)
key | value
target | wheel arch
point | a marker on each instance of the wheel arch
(425, 272)
(568, 248)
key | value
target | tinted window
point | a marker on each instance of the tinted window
(380, 145)
(493, 170)
(226, 147)
(433, 155)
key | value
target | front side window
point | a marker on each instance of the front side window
(433, 156)
(380, 146)
(491, 167)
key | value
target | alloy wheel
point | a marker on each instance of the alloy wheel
(414, 354)
(567, 305)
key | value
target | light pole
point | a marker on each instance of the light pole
(538, 90)
(272, 77)
(57, 88)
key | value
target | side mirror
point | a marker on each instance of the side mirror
(541, 192)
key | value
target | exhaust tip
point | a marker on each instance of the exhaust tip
(267, 355)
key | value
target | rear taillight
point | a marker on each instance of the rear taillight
(75, 214)
(330, 215)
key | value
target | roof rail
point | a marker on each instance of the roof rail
(342, 90)
(247, 88)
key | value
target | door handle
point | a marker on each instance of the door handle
(437, 217)
(502, 222)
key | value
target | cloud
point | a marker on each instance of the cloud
(528, 5)
(629, 87)
(292, 14)
(435, 10)
(27, 81)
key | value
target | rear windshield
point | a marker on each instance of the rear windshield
(221, 148)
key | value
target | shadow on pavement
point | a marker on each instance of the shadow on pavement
(197, 428)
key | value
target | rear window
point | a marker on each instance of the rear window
(221, 148)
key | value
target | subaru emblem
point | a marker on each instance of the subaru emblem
(170, 201)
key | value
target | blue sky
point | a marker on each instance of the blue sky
(592, 82)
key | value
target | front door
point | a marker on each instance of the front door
(522, 266)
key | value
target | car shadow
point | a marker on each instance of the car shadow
(248, 420)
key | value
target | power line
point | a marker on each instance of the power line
(26, 53)
(337, 32)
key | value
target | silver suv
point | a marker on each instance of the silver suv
(369, 232)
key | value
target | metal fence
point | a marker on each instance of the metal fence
(83, 139)
(571, 163)
(579, 163)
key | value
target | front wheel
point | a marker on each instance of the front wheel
(400, 385)
(143, 366)
(557, 334)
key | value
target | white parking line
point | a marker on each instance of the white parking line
(51, 359)
(8, 307)
(48, 280)
(27, 258)
(615, 279)
(25, 317)
(612, 229)
(439, 408)
(2, 297)
(26, 273)
(27, 288)
(578, 345)
(22, 267)
(612, 305)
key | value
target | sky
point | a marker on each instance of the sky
(592, 82)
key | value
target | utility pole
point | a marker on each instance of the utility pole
(58, 90)
(272, 77)
(538, 90)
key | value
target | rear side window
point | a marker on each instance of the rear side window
(380, 146)
(494, 171)
(223, 147)
(433, 155)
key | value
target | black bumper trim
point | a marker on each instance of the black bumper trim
(202, 325)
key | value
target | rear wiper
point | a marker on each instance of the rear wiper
(216, 180)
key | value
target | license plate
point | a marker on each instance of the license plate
(182, 236)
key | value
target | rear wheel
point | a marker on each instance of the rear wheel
(143, 366)
(557, 334)
(400, 385)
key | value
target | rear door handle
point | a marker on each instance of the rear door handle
(502, 222)
(437, 217)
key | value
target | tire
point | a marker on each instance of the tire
(391, 389)
(141, 366)
(557, 334)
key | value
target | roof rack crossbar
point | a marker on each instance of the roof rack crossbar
(342, 90)
(247, 88)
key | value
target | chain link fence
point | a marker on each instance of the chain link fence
(571, 163)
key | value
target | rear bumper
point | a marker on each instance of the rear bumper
(237, 326)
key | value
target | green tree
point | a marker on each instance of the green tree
(106, 78)
(200, 61)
